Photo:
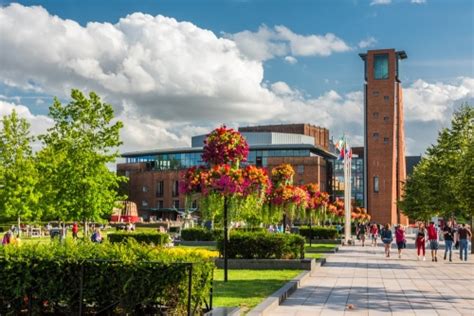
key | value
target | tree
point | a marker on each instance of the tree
(18, 176)
(77, 183)
(443, 184)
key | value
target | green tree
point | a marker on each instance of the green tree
(443, 183)
(84, 139)
(18, 176)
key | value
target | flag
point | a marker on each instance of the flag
(340, 143)
(348, 151)
(341, 155)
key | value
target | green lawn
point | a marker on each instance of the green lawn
(309, 255)
(212, 248)
(248, 288)
(319, 247)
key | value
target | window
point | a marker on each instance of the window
(381, 66)
(144, 203)
(176, 204)
(160, 204)
(375, 135)
(160, 187)
(386, 97)
(375, 93)
(376, 114)
(145, 188)
(175, 188)
(259, 162)
(127, 173)
(376, 184)
(386, 119)
(385, 140)
(300, 169)
(195, 204)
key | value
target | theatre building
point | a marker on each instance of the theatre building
(154, 174)
(378, 169)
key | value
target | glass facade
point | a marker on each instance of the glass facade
(357, 180)
(381, 66)
(176, 161)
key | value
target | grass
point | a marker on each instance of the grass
(212, 248)
(248, 288)
(320, 247)
(312, 255)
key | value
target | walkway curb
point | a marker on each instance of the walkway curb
(283, 293)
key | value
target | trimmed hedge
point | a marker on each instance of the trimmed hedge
(198, 234)
(318, 232)
(158, 239)
(263, 245)
(139, 279)
(203, 234)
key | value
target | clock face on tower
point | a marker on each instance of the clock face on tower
(381, 66)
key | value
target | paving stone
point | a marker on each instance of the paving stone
(362, 278)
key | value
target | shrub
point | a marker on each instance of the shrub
(202, 234)
(158, 239)
(318, 232)
(139, 279)
(197, 234)
(263, 245)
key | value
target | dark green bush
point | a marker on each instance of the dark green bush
(263, 245)
(158, 239)
(203, 234)
(141, 279)
(197, 234)
(318, 232)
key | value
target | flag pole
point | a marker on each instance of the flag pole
(347, 194)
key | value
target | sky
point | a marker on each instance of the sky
(177, 68)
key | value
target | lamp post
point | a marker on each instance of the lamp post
(225, 248)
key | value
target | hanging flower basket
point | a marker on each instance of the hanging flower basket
(225, 146)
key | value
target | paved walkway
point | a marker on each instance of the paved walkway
(360, 281)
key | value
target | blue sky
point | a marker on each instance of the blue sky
(283, 46)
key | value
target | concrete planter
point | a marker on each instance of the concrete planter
(270, 264)
(326, 241)
(323, 251)
(265, 308)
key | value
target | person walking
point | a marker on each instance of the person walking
(420, 241)
(7, 238)
(400, 240)
(362, 230)
(387, 239)
(448, 233)
(374, 232)
(433, 239)
(75, 230)
(464, 234)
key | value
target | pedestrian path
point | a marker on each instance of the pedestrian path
(361, 281)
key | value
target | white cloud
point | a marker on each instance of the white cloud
(425, 101)
(38, 123)
(380, 2)
(170, 80)
(368, 42)
(418, 1)
(164, 68)
(268, 43)
(291, 60)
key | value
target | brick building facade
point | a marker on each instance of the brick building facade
(384, 135)
(154, 175)
(320, 134)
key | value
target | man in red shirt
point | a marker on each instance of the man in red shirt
(75, 229)
(433, 238)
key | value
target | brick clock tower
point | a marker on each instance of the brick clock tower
(384, 144)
